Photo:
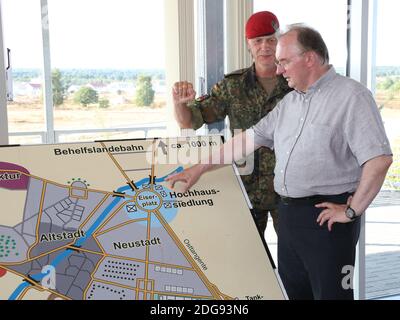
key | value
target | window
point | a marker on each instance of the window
(387, 83)
(382, 220)
(22, 36)
(107, 67)
(327, 17)
(102, 53)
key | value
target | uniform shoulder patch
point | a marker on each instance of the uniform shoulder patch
(202, 98)
(236, 73)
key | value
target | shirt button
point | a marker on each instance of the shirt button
(281, 171)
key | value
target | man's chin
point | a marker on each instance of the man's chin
(290, 83)
(266, 59)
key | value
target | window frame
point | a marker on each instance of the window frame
(179, 35)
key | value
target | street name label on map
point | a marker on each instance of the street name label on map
(148, 200)
(62, 236)
(193, 193)
(137, 243)
(10, 176)
(193, 202)
(89, 150)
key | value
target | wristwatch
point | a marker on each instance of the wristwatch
(350, 213)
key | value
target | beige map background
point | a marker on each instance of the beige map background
(223, 235)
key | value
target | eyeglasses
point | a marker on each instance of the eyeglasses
(285, 62)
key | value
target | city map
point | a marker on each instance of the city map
(91, 221)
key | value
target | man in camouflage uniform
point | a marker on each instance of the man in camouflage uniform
(245, 96)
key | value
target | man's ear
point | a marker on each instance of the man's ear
(311, 58)
(248, 49)
(247, 45)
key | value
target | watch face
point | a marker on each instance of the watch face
(350, 213)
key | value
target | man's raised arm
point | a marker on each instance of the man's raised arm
(182, 93)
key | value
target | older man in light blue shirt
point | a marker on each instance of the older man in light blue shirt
(332, 156)
(323, 137)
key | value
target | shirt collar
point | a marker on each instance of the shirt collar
(251, 77)
(321, 82)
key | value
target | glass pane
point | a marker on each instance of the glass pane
(25, 139)
(327, 17)
(383, 218)
(108, 63)
(22, 35)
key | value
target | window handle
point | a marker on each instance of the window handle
(9, 80)
(8, 58)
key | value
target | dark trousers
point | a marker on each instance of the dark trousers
(311, 259)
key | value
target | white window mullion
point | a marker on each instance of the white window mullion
(3, 89)
(373, 45)
(359, 16)
(359, 66)
(237, 12)
(180, 51)
(47, 94)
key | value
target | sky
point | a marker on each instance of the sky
(128, 34)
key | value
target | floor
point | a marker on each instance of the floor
(382, 247)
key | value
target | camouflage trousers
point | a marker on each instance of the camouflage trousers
(261, 218)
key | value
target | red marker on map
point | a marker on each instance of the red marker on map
(2, 272)
(13, 176)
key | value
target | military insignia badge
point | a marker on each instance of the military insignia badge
(202, 98)
(274, 25)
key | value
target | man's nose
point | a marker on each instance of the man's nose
(279, 69)
(265, 44)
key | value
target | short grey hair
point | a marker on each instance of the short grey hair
(310, 40)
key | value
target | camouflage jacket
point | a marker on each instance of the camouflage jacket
(243, 99)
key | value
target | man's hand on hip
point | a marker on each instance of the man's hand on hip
(332, 213)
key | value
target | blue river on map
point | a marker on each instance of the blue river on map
(167, 214)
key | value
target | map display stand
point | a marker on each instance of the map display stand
(97, 220)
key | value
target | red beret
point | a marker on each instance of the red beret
(263, 23)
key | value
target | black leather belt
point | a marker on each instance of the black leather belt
(311, 200)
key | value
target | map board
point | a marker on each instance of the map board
(97, 221)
